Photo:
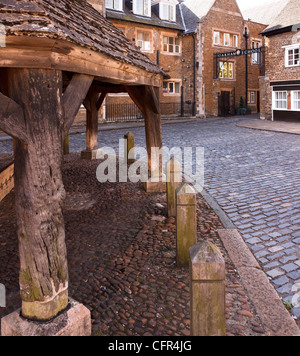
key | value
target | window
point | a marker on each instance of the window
(235, 41)
(295, 100)
(292, 58)
(143, 41)
(256, 58)
(280, 100)
(226, 70)
(216, 38)
(167, 12)
(114, 4)
(142, 7)
(171, 88)
(226, 39)
(171, 44)
(251, 97)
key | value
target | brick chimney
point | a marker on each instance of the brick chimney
(98, 5)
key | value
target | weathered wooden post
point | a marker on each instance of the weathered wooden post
(186, 222)
(174, 180)
(66, 145)
(207, 273)
(129, 154)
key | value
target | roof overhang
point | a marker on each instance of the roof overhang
(44, 53)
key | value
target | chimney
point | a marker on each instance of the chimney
(98, 5)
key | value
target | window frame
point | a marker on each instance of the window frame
(222, 71)
(287, 50)
(277, 100)
(171, 12)
(113, 5)
(167, 85)
(218, 33)
(293, 100)
(225, 35)
(175, 44)
(143, 2)
(236, 41)
(143, 33)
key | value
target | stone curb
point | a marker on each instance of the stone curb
(266, 125)
(269, 307)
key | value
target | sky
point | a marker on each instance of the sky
(252, 3)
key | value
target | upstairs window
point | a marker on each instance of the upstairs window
(256, 57)
(235, 41)
(292, 56)
(172, 88)
(171, 44)
(114, 4)
(142, 7)
(143, 41)
(167, 12)
(216, 38)
(226, 39)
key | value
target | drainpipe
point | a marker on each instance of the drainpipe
(194, 99)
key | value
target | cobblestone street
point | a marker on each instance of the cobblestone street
(255, 178)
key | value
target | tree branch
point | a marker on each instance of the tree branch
(12, 119)
(73, 98)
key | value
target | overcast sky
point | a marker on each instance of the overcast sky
(252, 3)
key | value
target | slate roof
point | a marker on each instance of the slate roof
(287, 18)
(154, 20)
(75, 21)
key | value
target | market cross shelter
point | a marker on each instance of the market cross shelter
(60, 54)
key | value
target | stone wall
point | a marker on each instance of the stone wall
(98, 5)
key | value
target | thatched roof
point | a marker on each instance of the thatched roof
(74, 21)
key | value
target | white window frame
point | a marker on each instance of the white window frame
(287, 59)
(114, 5)
(252, 97)
(294, 99)
(176, 47)
(256, 58)
(171, 84)
(282, 100)
(167, 12)
(225, 36)
(222, 69)
(142, 43)
(217, 36)
(235, 41)
(145, 7)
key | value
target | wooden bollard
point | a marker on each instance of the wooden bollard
(174, 180)
(186, 218)
(129, 154)
(207, 273)
(66, 145)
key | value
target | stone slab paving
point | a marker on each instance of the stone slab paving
(121, 253)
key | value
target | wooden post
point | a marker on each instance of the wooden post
(186, 222)
(39, 116)
(92, 104)
(207, 273)
(66, 145)
(129, 155)
(147, 100)
(174, 180)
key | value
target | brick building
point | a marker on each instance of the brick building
(221, 83)
(280, 87)
(156, 27)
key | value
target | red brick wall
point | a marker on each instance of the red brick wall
(276, 69)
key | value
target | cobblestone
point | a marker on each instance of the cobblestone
(253, 175)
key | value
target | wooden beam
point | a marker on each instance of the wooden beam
(12, 119)
(73, 98)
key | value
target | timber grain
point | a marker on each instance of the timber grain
(74, 21)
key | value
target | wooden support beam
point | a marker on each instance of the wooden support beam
(74, 97)
(93, 103)
(146, 98)
(36, 99)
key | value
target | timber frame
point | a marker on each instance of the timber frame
(47, 72)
